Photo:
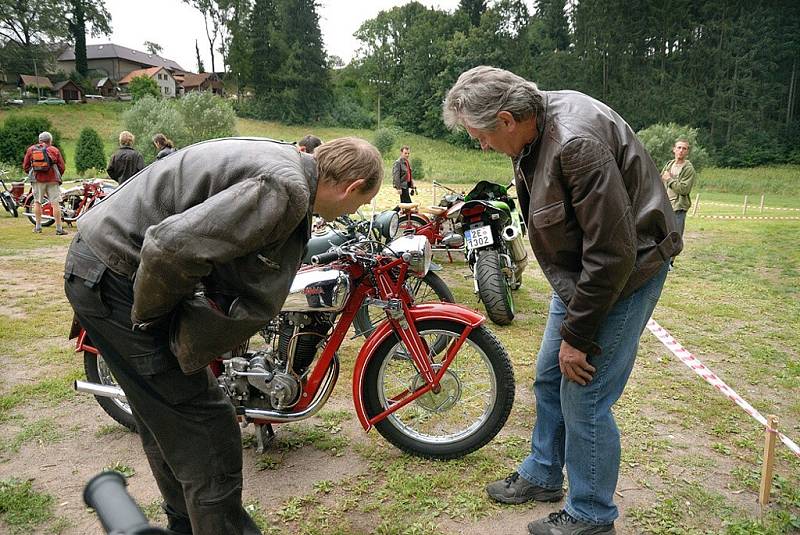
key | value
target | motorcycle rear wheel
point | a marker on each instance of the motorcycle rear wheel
(493, 288)
(97, 372)
(46, 210)
(474, 402)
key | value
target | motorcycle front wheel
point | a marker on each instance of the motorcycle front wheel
(493, 287)
(475, 397)
(47, 210)
(10, 205)
(97, 372)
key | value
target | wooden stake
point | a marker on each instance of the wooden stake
(770, 436)
(761, 208)
(696, 204)
(744, 210)
(434, 195)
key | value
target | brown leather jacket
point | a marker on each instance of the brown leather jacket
(599, 219)
(232, 214)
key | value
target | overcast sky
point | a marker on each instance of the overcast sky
(175, 26)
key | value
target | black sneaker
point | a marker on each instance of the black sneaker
(562, 523)
(515, 489)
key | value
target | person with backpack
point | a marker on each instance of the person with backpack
(45, 165)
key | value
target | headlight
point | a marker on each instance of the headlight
(388, 224)
(416, 250)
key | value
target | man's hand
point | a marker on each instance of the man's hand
(665, 176)
(574, 365)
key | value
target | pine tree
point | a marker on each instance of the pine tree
(265, 52)
(89, 152)
(306, 88)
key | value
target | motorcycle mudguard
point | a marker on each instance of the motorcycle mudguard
(421, 312)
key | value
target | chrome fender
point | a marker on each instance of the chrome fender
(421, 312)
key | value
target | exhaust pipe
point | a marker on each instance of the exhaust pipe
(518, 253)
(510, 233)
(105, 391)
(325, 391)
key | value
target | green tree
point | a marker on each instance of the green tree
(20, 132)
(154, 48)
(266, 54)
(200, 67)
(473, 10)
(150, 116)
(207, 116)
(78, 15)
(659, 139)
(89, 152)
(304, 91)
(142, 86)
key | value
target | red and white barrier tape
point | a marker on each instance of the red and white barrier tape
(700, 369)
(750, 217)
(752, 205)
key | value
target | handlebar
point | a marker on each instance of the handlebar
(325, 258)
(118, 512)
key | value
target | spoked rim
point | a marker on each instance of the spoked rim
(107, 378)
(465, 402)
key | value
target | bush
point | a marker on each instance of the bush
(659, 139)
(20, 132)
(151, 116)
(89, 153)
(142, 86)
(349, 113)
(193, 118)
(417, 169)
(384, 141)
(206, 116)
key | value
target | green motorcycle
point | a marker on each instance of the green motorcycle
(494, 237)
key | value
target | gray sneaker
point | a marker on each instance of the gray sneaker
(515, 489)
(562, 523)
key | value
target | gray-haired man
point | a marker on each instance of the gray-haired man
(603, 231)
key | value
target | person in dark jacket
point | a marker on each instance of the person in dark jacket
(164, 146)
(309, 144)
(603, 231)
(127, 161)
(401, 175)
(232, 215)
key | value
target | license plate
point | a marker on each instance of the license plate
(478, 237)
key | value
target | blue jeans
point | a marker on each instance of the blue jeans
(574, 424)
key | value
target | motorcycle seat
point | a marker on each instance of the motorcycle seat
(436, 211)
(408, 206)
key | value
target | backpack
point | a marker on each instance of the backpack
(40, 159)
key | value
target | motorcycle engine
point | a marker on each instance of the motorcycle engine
(273, 377)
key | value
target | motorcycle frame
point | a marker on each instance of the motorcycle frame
(432, 230)
(91, 193)
(401, 322)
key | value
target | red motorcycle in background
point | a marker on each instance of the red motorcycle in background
(436, 223)
(431, 377)
(74, 201)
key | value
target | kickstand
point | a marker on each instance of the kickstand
(264, 436)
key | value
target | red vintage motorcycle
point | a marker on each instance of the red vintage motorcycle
(431, 377)
(436, 223)
(74, 201)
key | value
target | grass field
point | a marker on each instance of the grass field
(691, 458)
(442, 161)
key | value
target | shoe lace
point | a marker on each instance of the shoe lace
(512, 478)
(560, 518)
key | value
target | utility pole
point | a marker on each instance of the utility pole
(378, 85)
(36, 74)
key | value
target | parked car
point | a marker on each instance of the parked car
(94, 98)
(14, 102)
(52, 100)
